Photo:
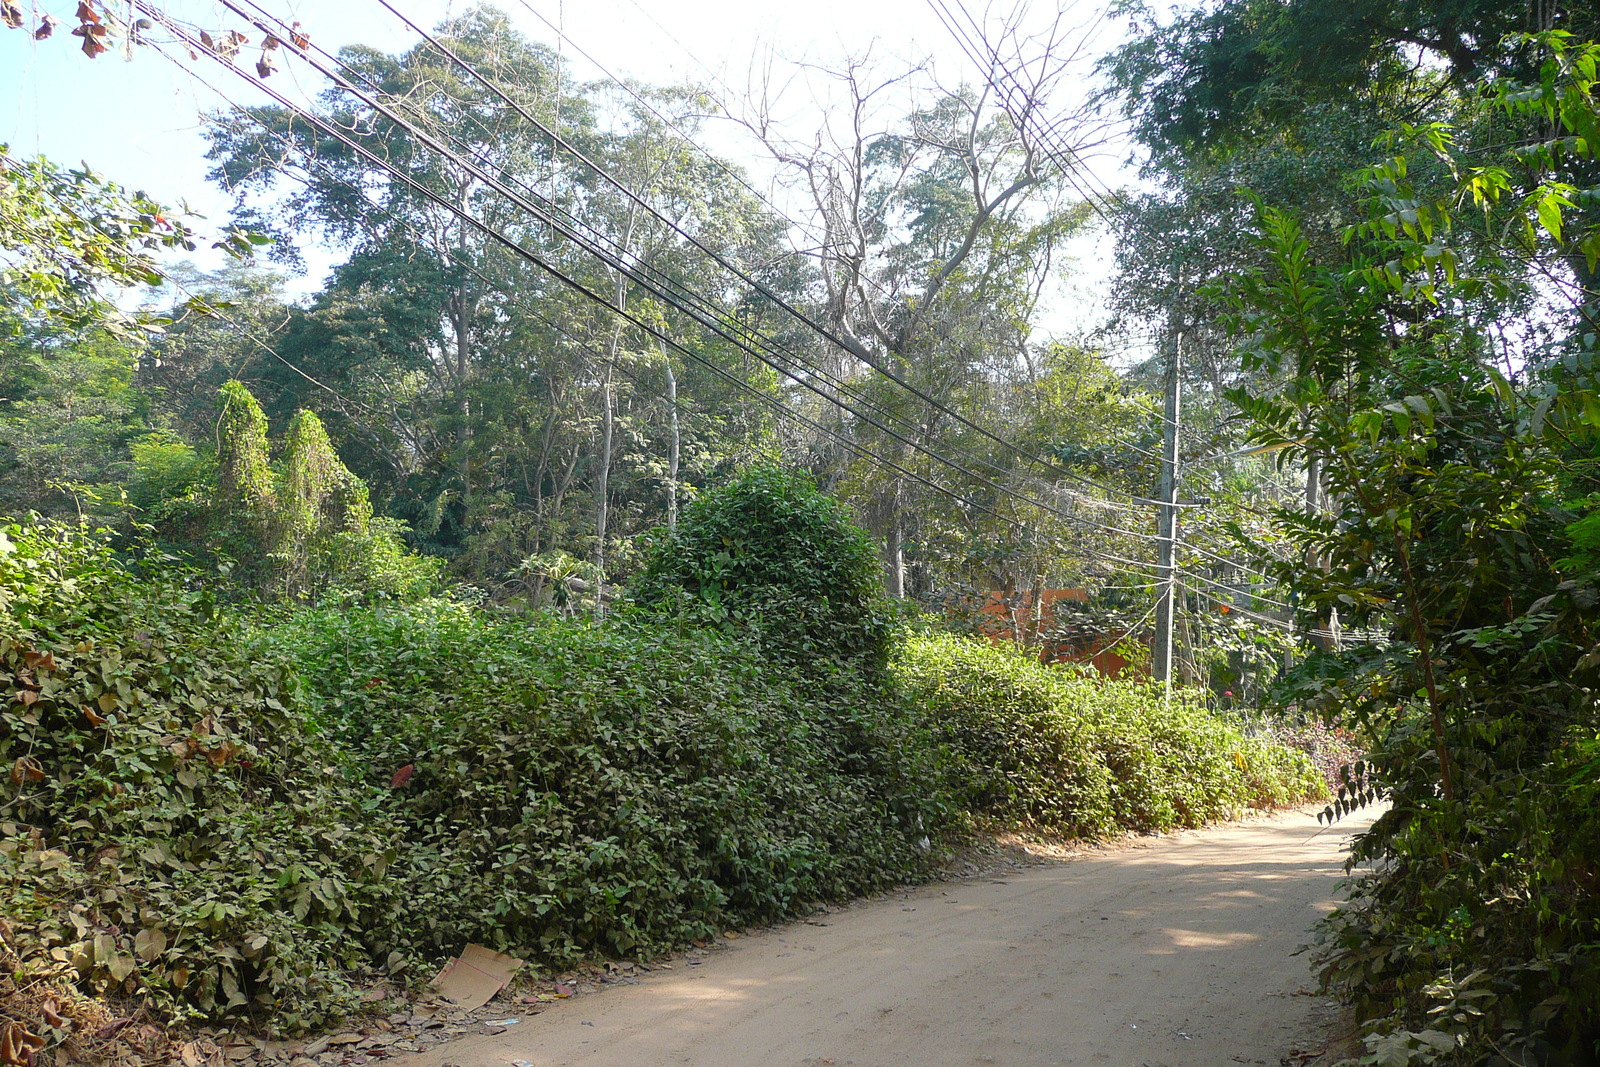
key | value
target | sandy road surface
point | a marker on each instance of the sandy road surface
(1173, 954)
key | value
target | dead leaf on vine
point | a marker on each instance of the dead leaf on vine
(298, 37)
(47, 26)
(18, 1045)
(269, 43)
(95, 719)
(228, 46)
(86, 12)
(93, 35)
(402, 776)
(26, 769)
(10, 14)
(266, 65)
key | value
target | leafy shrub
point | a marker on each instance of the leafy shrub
(180, 826)
(770, 554)
(170, 828)
(569, 788)
(1078, 754)
(299, 528)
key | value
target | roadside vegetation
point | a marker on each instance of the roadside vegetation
(448, 604)
(236, 818)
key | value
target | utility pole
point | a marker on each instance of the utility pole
(1167, 530)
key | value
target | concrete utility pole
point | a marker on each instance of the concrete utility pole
(1167, 531)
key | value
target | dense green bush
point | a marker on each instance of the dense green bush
(170, 828)
(573, 787)
(1078, 754)
(195, 822)
(769, 555)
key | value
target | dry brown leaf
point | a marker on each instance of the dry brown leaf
(201, 1052)
(18, 1045)
(11, 14)
(111, 1029)
(298, 37)
(26, 769)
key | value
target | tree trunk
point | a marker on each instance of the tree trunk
(895, 553)
(602, 488)
(673, 441)
(460, 320)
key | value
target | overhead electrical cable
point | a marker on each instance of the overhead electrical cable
(749, 335)
(713, 320)
(845, 345)
(646, 326)
(342, 135)
(1059, 154)
(1067, 158)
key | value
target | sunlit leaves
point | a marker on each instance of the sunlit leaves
(66, 234)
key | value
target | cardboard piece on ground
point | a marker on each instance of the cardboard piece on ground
(473, 978)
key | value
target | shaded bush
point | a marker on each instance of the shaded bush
(192, 821)
(579, 788)
(769, 555)
(171, 828)
(1078, 754)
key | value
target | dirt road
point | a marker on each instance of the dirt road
(1176, 953)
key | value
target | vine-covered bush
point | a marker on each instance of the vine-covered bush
(299, 528)
(571, 787)
(169, 826)
(770, 555)
(1077, 754)
(191, 820)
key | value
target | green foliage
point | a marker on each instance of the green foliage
(1072, 753)
(579, 788)
(190, 821)
(770, 554)
(1449, 531)
(301, 529)
(170, 828)
(68, 410)
(65, 235)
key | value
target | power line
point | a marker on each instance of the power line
(406, 178)
(1046, 137)
(855, 350)
(643, 325)
(713, 321)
